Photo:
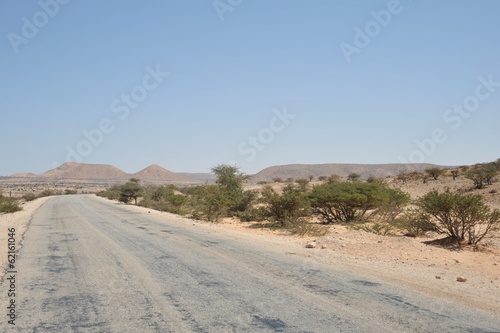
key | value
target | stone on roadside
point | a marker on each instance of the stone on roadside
(461, 279)
(311, 245)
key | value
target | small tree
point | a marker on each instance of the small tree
(434, 172)
(131, 190)
(481, 175)
(334, 179)
(455, 173)
(403, 176)
(353, 176)
(302, 182)
(231, 180)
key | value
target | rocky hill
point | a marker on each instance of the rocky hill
(82, 171)
(103, 173)
(297, 171)
(155, 173)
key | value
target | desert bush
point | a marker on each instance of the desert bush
(334, 179)
(353, 176)
(29, 197)
(403, 176)
(394, 203)
(373, 179)
(47, 193)
(461, 217)
(253, 214)
(209, 202)
(351, 201)
(8, 205)
(166, 199)
(287, 209)
(70, 192)
(302, 182)
(414, 223)
(113, 193)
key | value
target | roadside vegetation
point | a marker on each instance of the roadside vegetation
(302, 206)
(13, 204)
(9, 205)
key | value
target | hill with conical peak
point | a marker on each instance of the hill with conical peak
(297, 171)
(155, 173)
(88, 172)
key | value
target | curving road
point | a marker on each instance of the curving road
(92, 266)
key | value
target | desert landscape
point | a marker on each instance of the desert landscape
(466, 274)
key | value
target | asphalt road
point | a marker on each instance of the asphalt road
(93, 266)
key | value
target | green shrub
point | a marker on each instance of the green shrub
(288, 208)
(355, 201)
(414, 223)
(46, 193)
(113, 193)
(29, 197)
(461, 217)
(166, 199)
(209, 202)
(8, 205)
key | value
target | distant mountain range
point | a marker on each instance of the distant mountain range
(102, 173)
(298, 171)
(72, 171)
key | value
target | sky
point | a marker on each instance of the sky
(189, 84)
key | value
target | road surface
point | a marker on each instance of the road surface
(88, 265)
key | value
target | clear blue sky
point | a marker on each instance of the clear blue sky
(360, 90)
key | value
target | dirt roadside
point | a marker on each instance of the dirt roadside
(20, 222)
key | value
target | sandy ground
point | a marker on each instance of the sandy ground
(19, 221)
(402, 260)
